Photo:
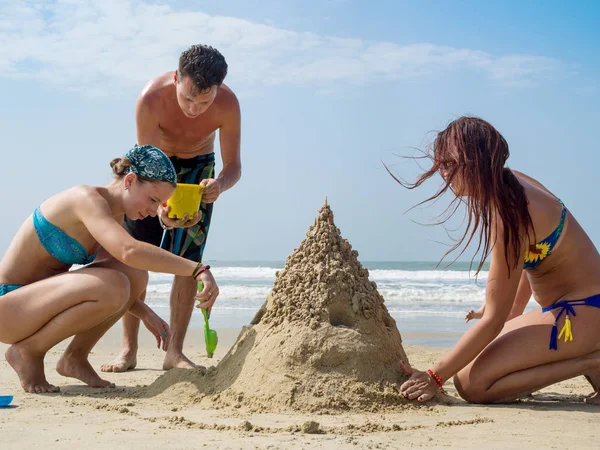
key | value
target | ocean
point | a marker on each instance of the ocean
(428, 304)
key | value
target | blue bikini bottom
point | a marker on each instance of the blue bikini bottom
(566, 306)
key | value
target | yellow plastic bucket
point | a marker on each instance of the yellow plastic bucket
(185, 200)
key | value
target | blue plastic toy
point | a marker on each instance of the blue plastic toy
(5, 400)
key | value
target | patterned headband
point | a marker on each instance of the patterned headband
(150, 162)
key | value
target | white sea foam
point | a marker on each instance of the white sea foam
(427, 275)
(268, 274)
(246, 288)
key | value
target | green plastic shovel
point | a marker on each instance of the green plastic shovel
(210, 336)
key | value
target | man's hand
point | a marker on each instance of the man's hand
(183, 222)
(211, 191)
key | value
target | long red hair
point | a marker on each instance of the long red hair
(472, 153)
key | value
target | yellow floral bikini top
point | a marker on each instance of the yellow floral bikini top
(542, 249)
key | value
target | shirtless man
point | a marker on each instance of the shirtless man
(180, 112)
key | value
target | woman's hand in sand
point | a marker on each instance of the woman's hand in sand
(159, 328)
(420, 385)
(183, 222)
(209, 293)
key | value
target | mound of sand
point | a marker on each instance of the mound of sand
(323, 340)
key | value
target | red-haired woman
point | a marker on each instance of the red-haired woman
(535, 246)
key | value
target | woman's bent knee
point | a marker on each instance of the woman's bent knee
(116, 289)
(138, 279)
(470, 392)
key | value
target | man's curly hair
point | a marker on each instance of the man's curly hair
(204, 65)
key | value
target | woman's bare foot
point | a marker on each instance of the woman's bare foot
(593, 377)
(127, 360)
(177, 361)
(80, 368)
(30, 369)
(594, 380)
(593, 399)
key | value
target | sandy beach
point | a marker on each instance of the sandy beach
(117, 418)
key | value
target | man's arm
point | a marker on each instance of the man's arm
(229, 139)
(146, 120)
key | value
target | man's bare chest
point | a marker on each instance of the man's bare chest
(195, 130)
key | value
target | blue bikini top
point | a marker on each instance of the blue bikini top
(536, 253)
(56, 242)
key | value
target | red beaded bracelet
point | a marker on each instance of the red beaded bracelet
(439, 381)
(198, 272)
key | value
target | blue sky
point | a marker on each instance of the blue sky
(328, 90)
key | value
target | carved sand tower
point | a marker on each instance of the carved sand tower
(323, 339)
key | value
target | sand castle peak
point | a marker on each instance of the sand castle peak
(324, 282)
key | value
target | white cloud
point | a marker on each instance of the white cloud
(90, 46)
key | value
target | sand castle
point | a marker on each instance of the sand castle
(323, 340)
